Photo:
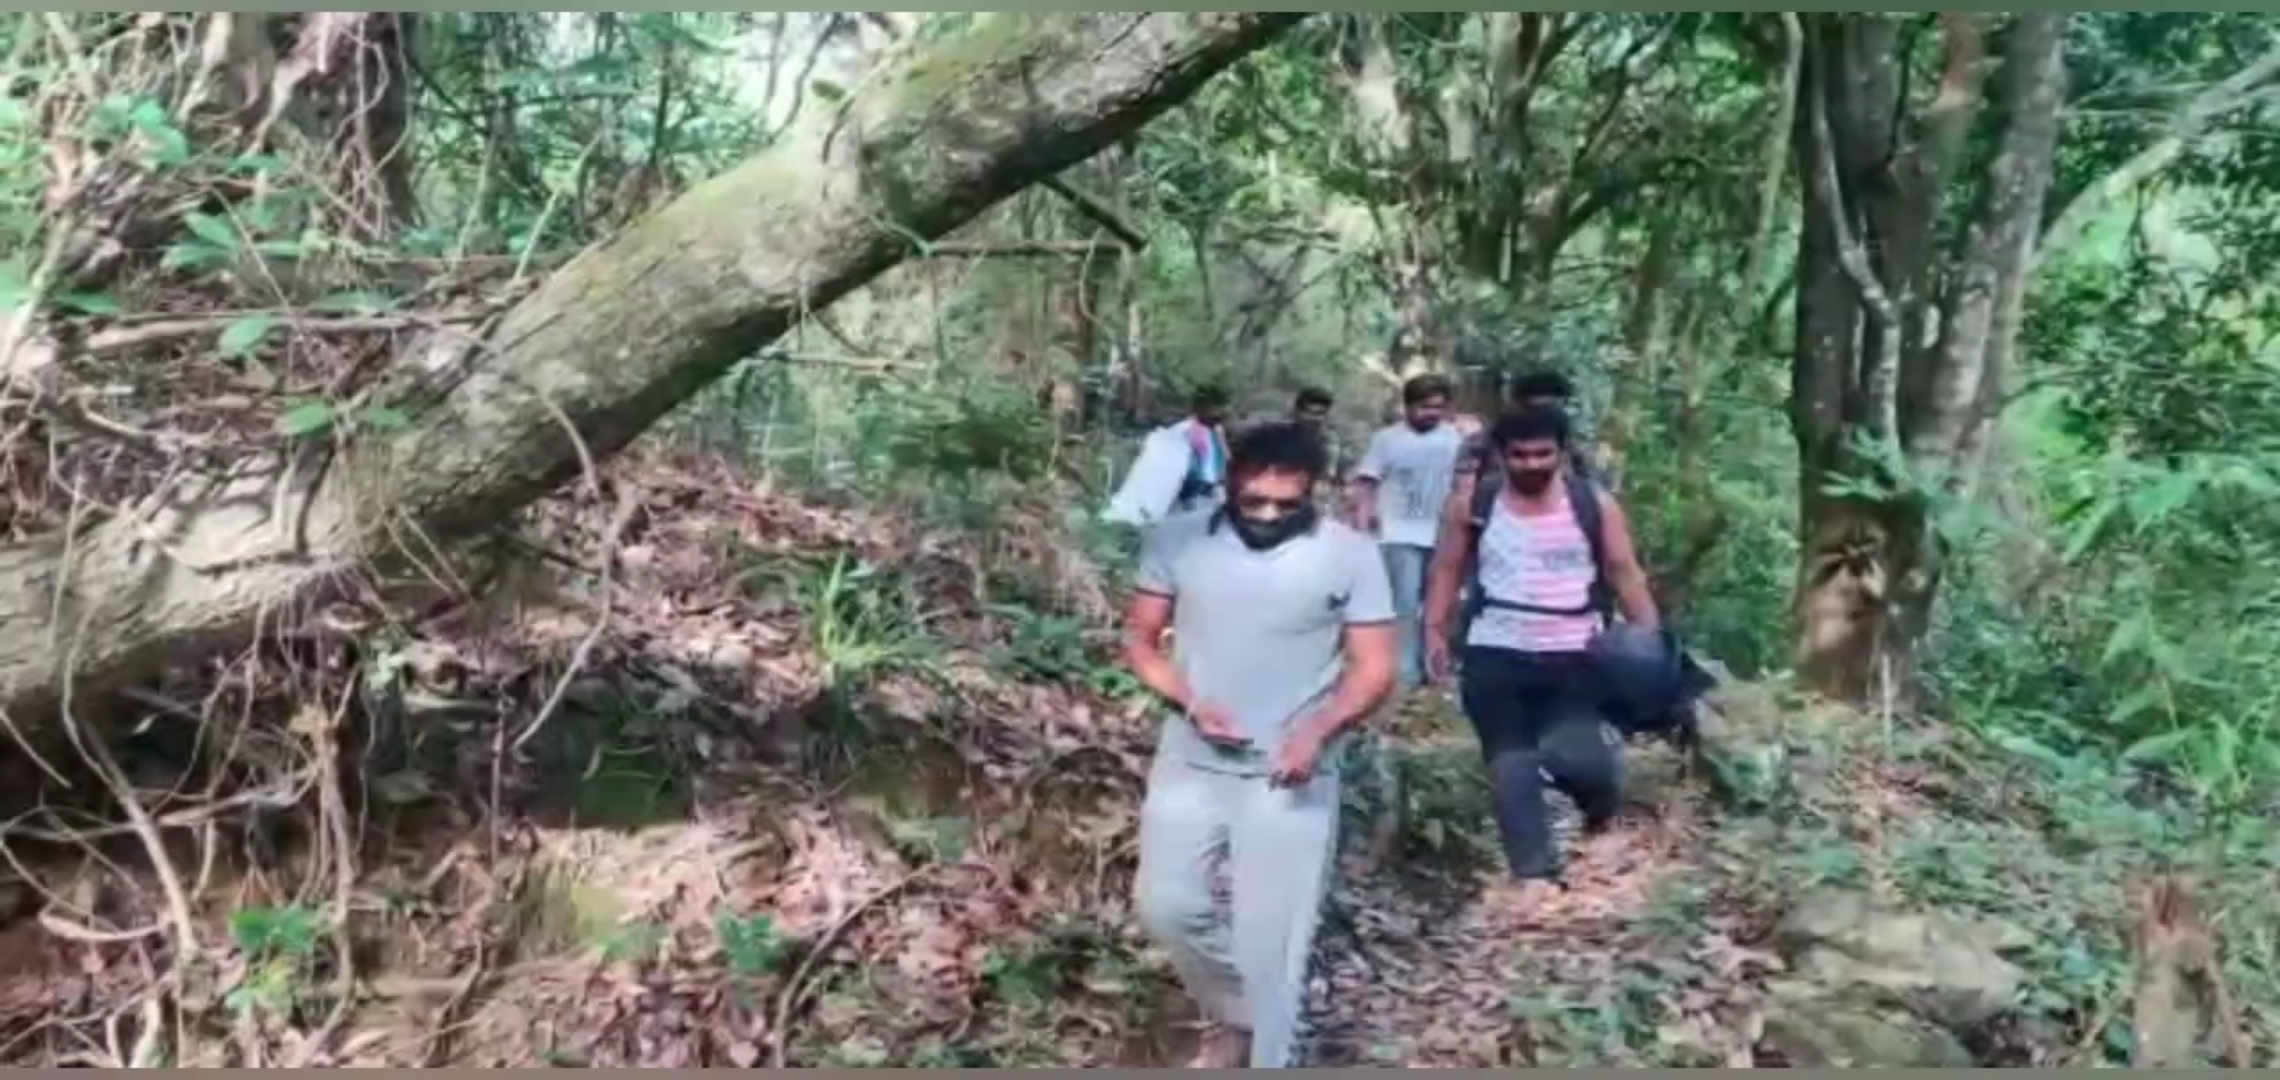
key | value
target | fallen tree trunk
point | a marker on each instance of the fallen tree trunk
(612, 341)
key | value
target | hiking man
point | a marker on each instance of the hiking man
(1543, 558)
(1398, 493)
(1312, 407)
(1526, 391)
(1181, 466)
(1282, 641)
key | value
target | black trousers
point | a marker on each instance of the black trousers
(1538, 718)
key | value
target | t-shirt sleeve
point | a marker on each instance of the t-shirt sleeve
(1156, 573)
(1372, 465)
(1471, 453)
(1369, 594)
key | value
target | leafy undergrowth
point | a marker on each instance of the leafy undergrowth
(817, 792)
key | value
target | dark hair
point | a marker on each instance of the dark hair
(1529, 424)
(1542, 383)
(1280, 447)
(1208, 396)
(1314, 397)
(1424, 388)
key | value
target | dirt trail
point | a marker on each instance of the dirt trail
(1419, 969)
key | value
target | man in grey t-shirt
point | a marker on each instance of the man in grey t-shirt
(1282, 628)
(1398, 492)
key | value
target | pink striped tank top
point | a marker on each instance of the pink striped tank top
(1542, 560)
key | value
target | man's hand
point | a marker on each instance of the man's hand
(1361, 503)
(1296, 758)
(1216, 725)
(1439, 664)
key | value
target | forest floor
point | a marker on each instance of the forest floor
(742, 779)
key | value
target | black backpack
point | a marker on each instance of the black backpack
(1677, 720)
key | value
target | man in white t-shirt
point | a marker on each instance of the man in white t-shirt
(1398, 491)
(1180, 468)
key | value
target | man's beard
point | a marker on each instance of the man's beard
(1268, 535)
(1531, 481)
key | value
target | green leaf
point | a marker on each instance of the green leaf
(523, 79)
(2146, 698)
(2087, 531)
(193, 255)
(89, 303)
(385, 418)
(826, 90)
(354, 301)
(244, 336)
(169, 146)
(260, 215)
(148, 113)
(307, 418)
(2158, 748)
(256, 163)
(212, 230)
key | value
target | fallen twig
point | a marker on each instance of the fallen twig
(779, 1026)
(123, 338)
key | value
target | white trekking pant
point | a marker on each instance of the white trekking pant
(1245, 967)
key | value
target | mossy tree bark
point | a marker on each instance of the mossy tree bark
(622, 334)
(1903, 341)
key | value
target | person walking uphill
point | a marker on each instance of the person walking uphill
(1547, 558)
(1528, 390)
(1282, 641)
(1181, 468)
(1398, 491)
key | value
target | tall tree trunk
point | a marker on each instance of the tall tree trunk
(1869, 287)
(628, 330)
(1631, 371)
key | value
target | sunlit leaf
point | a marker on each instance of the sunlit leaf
(245, 335)
(213, 230)
(2087, 530)
(385, 418)
(193, 255)
(89, 303)
(307, 418)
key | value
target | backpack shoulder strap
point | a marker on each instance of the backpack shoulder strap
(1486, 487)
(1583, 501)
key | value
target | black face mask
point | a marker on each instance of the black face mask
(1532, 481)
(1268, 535)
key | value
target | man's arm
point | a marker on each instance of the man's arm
(1361, 501)
(1444, 579)
(1373, 656)
(1372, 646)
(1146, 617)
(1149, 614)
(1624, 574)
(1361, 491)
